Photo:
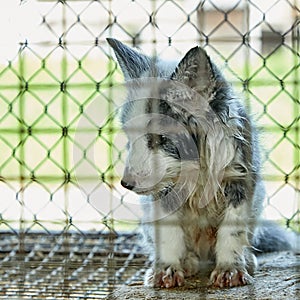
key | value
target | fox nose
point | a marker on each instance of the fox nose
(128, 185)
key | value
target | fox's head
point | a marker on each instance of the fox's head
(168, 118)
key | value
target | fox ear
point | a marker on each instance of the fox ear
(132, 63)
(195, 70)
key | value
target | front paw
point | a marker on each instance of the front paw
(229, 277)
(168, 277)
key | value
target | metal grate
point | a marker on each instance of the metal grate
(67, 266)
(61, 149)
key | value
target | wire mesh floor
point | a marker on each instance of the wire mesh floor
(68, 265)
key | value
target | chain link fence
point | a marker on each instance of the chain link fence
(62, 151)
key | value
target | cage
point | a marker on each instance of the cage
(68, 229)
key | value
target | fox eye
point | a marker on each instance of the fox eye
(155, 140)
(162, 139)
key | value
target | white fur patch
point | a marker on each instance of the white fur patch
(169, 240)
(232, 236)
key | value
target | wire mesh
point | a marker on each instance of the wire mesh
(61, 150)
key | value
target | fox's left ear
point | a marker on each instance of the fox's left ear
(132, 62)
(195, 70)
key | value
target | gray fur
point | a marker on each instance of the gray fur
(132, 64)
(199, 203)
(269, 238)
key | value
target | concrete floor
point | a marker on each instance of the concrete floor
(278, 277)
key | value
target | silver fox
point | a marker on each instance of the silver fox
(193, 156)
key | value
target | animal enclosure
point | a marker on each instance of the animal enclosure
(68, 229)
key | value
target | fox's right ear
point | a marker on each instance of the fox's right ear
(195, 70)
(132, 63)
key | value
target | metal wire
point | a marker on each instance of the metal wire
(48, 85)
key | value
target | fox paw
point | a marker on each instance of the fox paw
(167, 278)
(229, 278)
